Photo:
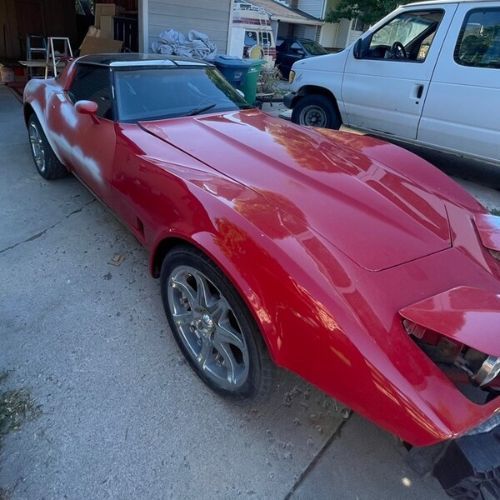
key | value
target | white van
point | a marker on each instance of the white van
(251, 34)
(428, 73)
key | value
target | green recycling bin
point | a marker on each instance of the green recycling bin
(250, 83)
(241, 74)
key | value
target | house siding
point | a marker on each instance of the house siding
(312, 7)
(206, 16)
(304, 31)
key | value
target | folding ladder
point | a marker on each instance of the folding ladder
(58, 53)
(36, 49)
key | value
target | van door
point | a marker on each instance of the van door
(387, 77)
(461, 112)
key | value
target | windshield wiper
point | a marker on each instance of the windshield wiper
(197, 111)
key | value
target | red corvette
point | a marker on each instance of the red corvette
(344, 259)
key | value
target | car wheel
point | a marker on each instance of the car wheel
(213, 327)
(46, 162)
(316, 111)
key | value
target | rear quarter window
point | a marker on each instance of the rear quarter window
(478, 43)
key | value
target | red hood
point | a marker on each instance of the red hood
(369, 211)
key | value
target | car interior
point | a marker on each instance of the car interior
(406, 37)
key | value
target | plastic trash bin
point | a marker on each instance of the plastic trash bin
(250, 84)
(241, 74)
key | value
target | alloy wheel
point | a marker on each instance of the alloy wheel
(208, 327)
(37, 147)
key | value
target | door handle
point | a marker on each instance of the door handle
(417, 91)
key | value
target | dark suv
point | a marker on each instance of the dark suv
(289, 50)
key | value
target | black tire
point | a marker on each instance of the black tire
(257, 380)
(46, 162)
(316, 110)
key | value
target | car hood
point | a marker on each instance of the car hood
(318, 181)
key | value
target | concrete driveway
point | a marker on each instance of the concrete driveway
(122, 415)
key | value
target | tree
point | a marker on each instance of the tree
(368, 11)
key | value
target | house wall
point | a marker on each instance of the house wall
(206, 16)
(312, 7)
(328, 35)
(305, 31)
(343, 33)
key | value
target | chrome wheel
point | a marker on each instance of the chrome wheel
(313, 116)
(37, 147)
(208, 327)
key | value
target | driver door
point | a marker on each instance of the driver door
(385, 86)
(87, 143)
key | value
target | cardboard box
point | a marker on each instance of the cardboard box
(105, 9)
(94, 45)
(93, 31)
(107, 27)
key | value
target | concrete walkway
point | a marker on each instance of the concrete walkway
(123, 416)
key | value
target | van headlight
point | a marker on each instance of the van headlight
(291, 76)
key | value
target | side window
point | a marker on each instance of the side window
(407, 37)
(93, 83)
(479, 39)
(265, 39)
(295, 48)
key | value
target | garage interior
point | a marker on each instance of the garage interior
(24, 23)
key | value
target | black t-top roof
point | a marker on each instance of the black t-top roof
(132, 59)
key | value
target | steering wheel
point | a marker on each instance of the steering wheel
(398, 51)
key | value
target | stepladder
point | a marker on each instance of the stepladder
(58, 53)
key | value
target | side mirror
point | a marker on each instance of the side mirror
(86, 107)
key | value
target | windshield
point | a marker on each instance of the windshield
(157, 93)
(315, 49)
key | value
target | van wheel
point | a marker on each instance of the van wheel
(316, 111)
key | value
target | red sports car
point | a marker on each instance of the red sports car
(342, 258)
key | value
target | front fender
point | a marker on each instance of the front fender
(311, 306)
